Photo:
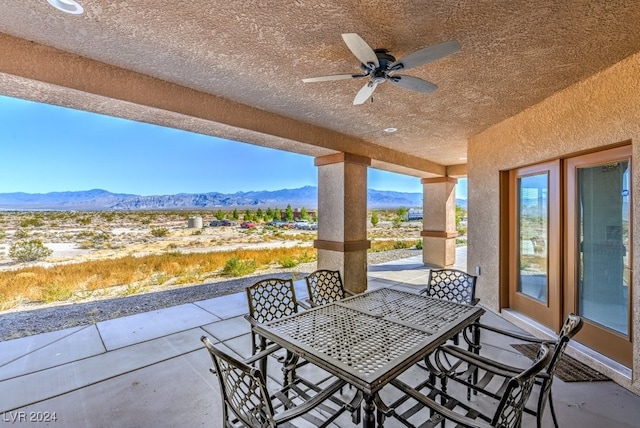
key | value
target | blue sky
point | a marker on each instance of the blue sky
(47, 148)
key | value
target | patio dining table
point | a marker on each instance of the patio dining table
(371, 338)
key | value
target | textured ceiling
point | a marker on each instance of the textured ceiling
(514, 53)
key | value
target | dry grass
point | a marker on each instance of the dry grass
(121, 254)
(40, 284)
(386, 245)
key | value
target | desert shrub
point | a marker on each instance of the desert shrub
(307, 257)
(288, 263)
(238, 267)
(377, 246)
(132, 289)
(2, 234)
(402, 212)
(93, 239)
(197, 232)
(419, 244)
(21, 234)
(401, 245)
(397, 221)
(84, 220)
(85, 234)
(374, 219)
(31, 222)
(159, 232)
(189, 278)
(101, 236)
(56, 292)
(29, 251)
(108, 216)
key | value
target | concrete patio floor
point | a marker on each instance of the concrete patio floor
(151, 369)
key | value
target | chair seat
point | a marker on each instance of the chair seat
(426, 405)
(248, 402)
(490, 378)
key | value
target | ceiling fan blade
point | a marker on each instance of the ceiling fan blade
(364, 93)
(412, 83)
(426, 55)
(332, 77)
(360, 49)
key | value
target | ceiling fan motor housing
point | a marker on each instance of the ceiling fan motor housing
(384, 59)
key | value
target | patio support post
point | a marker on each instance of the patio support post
(342, 217)
(439, 221)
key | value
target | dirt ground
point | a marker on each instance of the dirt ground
(77, 236)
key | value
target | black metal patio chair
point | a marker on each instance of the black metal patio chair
(271, 299)
(453, 285)
(427, 406)
(489, 377)
(325, 286)
(247, 402)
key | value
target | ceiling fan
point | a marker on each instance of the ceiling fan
(380, 66)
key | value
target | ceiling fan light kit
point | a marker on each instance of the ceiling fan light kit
(380, 66)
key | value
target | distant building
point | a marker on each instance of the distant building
(194, 223)
(414, 214)
(296, 214)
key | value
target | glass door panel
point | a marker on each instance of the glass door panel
(603, 262)
(533, 226)
(534, 243)
(598, 250)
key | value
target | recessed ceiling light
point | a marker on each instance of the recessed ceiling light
(390, 130)
(68, 6)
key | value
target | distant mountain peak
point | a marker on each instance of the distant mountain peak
(100, 199)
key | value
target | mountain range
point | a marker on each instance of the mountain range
(98, 199)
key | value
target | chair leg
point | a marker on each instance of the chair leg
(289, 368)
(553, 412)
(476, 342)
(263, 362)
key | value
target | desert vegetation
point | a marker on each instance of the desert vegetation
(50, 257)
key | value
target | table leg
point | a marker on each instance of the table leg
(476, 349)
(369, 419)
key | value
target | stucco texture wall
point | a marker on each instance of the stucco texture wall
(600, 111)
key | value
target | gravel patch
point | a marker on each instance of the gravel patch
(41, 320)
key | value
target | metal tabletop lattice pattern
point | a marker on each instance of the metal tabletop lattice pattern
(409, 308)
(362, 343)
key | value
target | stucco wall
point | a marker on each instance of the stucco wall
(599, 111)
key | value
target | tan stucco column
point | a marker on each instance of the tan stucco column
(439, 221)
(342, 217)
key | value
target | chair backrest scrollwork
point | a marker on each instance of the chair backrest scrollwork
(271, 299)
(243, 390)
(518, 390)
(452, 285)
(324, 286)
